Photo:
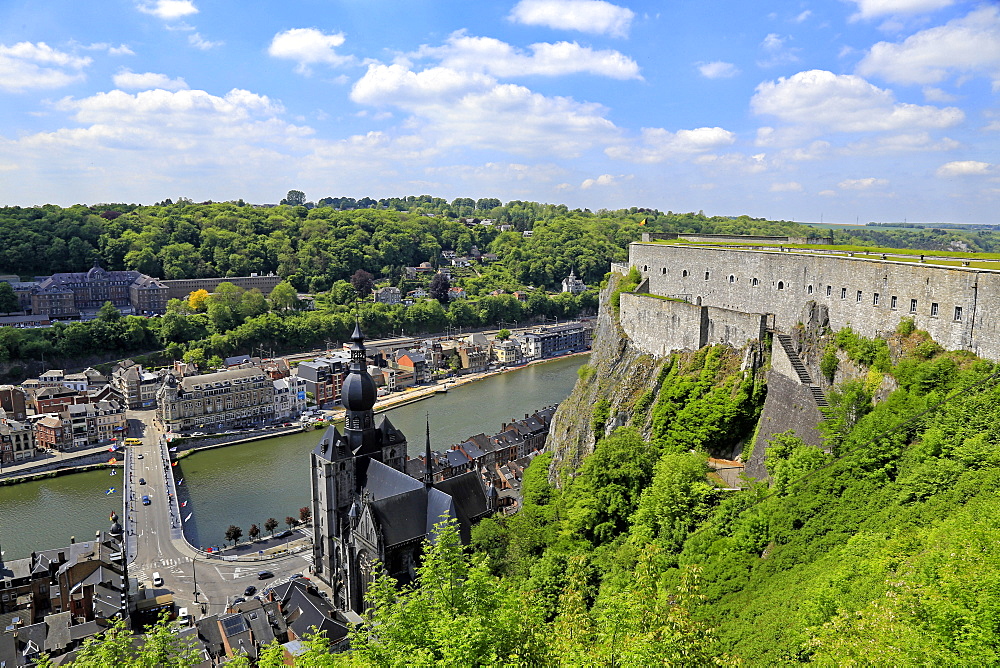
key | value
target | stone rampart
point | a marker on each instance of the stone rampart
(658, 326)
(959, 306)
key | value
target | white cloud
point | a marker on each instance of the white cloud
(147, 80)
(718, 70)
(827, 193)
(184, 108)
(802, 17)
(199, 42)
(28, 65)
(602, 180)
(897, 143)
(308, 46)
(932, 94)
(658, 144)
(964, 168)
(452, 108)
(871, 8)
(862, 184)
(168, 10)
(789, 187)
(492, 56)
(966, 45)
(775, 51)
(593, 16)
(824, 101)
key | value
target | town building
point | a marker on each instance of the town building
(573, 285)
(413, 362)
(237, 398)
(52, 601)
(289, 397)
(25, 321)
(95, 423)
(324, 377)
(12, 401)
(51, 433)
(551, 341)
(17, 440)
(138, 387)
(181, 288)
(68, 295)
(388, 295)
(507, 352)
(365, 508)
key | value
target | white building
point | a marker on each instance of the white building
(289, 397)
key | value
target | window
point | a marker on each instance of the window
(829, 290)
(934, 308)
(706, 275)
(754, 282)
(732, 279)
(645, 267)
(663, 270)
(913, 306)
(810, 289)
(843, 293)
(684, 274)
(958, 314)
(781, 285)
(859, 296)
(874, 299)
(892, 302)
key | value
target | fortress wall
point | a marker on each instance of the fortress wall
(732, 327)
(657, 326)
(782, 284)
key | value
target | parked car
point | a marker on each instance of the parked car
(142, 481)
(284, 534)
(140, 456)
(250, 590)
(263, 575)
(239, 599)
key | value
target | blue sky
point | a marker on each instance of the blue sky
(845, 110)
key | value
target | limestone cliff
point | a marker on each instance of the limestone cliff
(618, 372)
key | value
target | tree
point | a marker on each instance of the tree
(294, 198)
(305, 513)
(197, 300)
(234, 533)
(503, 335)
(254, 532)
(439, 287)
(270, 524)
(108, 313)
(363, 283)
(290, 521)
(8, 299)
(284, 297)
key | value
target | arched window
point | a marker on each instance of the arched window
(810, 291)
(684, 274)
(645, 267)
(781, 285)
(663, 270)
(732, 279)
(754, 282)
(706, 275)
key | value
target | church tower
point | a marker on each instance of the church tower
(358, 395)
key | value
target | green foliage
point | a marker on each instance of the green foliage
(828, 364)
(905, 327)
(585, 372)
(599, 417)
(8, 299)
(789, 460)
(627, 284)
(869, 352)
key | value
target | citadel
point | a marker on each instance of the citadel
(705, 289)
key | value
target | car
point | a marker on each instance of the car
(183, 617)
(263, 575)
(250, 590)
(238, 600)
(140, 456)
(157, 580)
(145, 500)
(198, 433)
(284, 534)
(295, 576)
(142, 481)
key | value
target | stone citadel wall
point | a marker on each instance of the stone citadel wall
(958, 306)
(658, 326)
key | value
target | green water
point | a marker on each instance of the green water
(246, 484)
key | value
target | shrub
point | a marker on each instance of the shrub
(828, 365)
(905, 327)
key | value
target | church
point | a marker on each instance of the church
(365, 507)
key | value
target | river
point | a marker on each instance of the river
(248, 483)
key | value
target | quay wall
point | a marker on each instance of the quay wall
(958, 306)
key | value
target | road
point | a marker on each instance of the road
(156, 540)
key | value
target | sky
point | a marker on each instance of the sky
(835, 111)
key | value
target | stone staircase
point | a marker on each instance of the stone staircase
(800, 370)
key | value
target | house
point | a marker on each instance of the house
(324, 377)
(17, 440)
(289, 397)
(413, 362)
(456, 293)
(388, 295)
(573, 285)
(12, 401)
(520, 296)
(556, 340)
(138, 387)
(507, 352)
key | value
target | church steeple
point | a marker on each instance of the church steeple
(358, 395)
(428, 462)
